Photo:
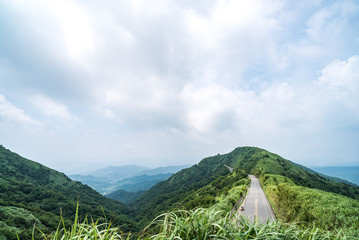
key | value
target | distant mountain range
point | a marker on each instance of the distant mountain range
(131, 178)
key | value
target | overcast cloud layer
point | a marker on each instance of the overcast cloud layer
(86, 84)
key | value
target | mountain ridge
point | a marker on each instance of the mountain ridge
(248, 160)
(44, 194)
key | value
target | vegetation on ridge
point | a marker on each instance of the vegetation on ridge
(311, 206)
(31, 192)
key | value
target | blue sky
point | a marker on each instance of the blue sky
(87, 84)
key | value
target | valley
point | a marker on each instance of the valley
(130, 178)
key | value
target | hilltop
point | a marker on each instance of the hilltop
(203, 184)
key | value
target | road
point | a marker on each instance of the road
(256, 206)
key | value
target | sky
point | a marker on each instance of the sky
(88, 84)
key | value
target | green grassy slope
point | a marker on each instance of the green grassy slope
(260, 162)
(183, 186)
(309, 206)
(30, 191)
(200, 185)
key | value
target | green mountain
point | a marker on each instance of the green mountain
(124, 196)
(203, 185)
(141, 183)
(31, 192)
(118, 172)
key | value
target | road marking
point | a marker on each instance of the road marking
(256, 210)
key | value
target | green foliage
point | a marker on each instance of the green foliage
(141, 183)
(170, 194)
(124, 196)
(85, 230)
(39, 194)
(199, 186)
(200, 224)
(311, 206)
(212, 224)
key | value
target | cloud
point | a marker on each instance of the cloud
(12, 113)
(54, 110)
(338, 86)
(341, 75)
(164, 76)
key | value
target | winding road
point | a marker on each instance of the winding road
(256, 206)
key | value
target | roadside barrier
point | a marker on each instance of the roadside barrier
(235, 207)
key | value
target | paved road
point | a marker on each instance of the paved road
(256, 205)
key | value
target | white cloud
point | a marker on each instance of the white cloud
(12, 113)
(181, 73)
(338, 85)
(342, 75)
(52, 109)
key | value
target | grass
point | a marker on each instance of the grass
(202, 224)
(308, 206)
(85, 230)
(333, 223)
(209, 223)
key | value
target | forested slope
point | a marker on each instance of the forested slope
(183, 186)
(31, 192)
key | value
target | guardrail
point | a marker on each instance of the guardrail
(235, 207)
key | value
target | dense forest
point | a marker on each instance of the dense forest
(31, 192)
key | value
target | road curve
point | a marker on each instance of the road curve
(256, 206)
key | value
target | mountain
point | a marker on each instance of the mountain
(124, 196)
(210, 176)
(349, 173)
(131, 178)
(163, 170)
(31, 192)
(141, 183)
(114, 173)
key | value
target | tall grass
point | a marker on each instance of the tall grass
(86, 230)
(308, 206)
(200, 224)
(212, 224)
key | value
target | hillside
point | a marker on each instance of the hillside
(182, 186)
(141, 183)
(124, 196)
(260, 162)
(200, 185)
(31, 192)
